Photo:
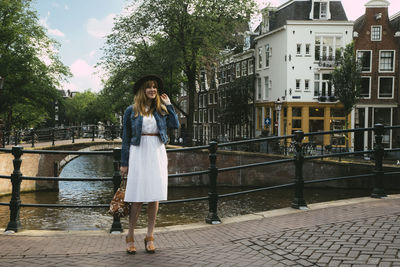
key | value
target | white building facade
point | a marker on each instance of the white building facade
(294, 56)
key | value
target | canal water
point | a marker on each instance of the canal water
(88, 193)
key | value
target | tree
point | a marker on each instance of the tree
(346, 79)
(193, 32)
(30, 66)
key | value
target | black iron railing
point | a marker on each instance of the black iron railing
(298, 159)
(34, 136)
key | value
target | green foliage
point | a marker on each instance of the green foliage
(171, 37)
(346, 78)
(30, 83)
(87, 108)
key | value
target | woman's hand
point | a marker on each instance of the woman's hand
(165, 99)
(124, 171)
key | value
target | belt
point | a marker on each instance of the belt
(151, 134)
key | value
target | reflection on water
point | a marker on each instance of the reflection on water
(92, 193)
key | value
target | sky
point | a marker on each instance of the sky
(80, 26)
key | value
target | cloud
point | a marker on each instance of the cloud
(85, 76)
(100, 28)
(66, 7)
(81, 68)
(56, 32)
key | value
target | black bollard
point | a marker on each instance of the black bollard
(15, 203)
(298, 201)
(73, 134)
(116, 225)
(212, 217)
(378, 191)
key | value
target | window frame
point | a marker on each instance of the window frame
(380, 33)
(369, 89)
(298, 85)
(393, 61)
(370, 60)
(260, 61)
(306, 85)
(298, 49)
(379, 87)
(267, 55)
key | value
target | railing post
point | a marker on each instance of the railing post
(73, 134)
(116, 225)
(212, 217)
(378, 191)
(33, 137)
(298, 201)
(52, 137)
(93, 129)
(15, 224)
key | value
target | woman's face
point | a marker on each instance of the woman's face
(151, 91)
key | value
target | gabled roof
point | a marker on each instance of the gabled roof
(300, 10)
(395, 22)
(358, 24)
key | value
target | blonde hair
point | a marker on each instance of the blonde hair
(139, 102)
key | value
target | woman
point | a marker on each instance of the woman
(143, 157)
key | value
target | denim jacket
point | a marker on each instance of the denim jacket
(132, 129)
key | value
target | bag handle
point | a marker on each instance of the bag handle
(123, 182)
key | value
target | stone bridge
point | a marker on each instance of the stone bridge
(46, 164)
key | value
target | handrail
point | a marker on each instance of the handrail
(298, 159)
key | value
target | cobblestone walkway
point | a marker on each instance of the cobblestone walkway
(361, 232)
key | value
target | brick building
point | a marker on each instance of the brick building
(376, 38)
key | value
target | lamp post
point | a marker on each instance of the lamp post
(278, 107)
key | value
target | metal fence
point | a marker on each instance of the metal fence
(298, 202)
(34, 136)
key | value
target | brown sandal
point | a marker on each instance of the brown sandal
(130, 248)
(150, 248)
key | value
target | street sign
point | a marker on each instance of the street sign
(276, 124)
(267, 121)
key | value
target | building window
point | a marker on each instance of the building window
(200, 101)
(298, 49)
(364, 58)
(307, 49)
(205, 115)
(267, 55)
(298, 81)
(322, 84)
(306, 85)
(210, 97)
(386, 87)
(324, 10)
(237, 70)
(260, 57)
(203, 81)
(251, 67)
(384, 116)
(386, 61)
(266, 84)
(204, 101)
(258, 88)
(326, 47)
(365, 87)
(244, 68)
(376, 33)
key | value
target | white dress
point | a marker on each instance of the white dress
(148, 167)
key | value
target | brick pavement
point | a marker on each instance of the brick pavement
(359, 232)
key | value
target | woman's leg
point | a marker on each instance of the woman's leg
(152, 210)
(133, 217)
